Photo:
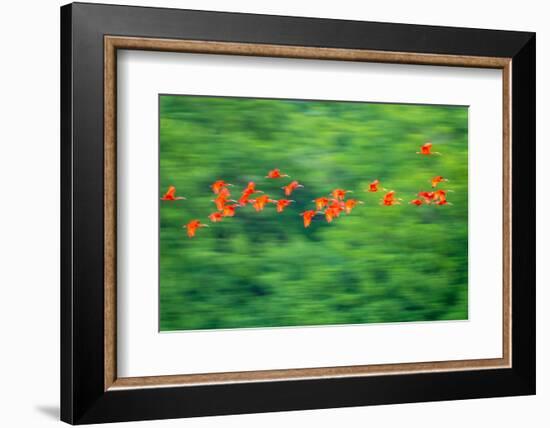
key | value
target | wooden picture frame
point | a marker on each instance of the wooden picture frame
(91, 390)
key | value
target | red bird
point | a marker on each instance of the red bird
(441, 195)
(308, 216)
(390, 199)
(321, 203)
(251, 188)
(334, 210)
(373, 187)
(216, 217)
(340, 193)
(437, 180)
(259, 202)
(170, 195)
(276, 173)
(219, 185)
(282, 204)
(244, 199)
(443, 202)
(428, 196)
(426, 149)
(221, 200)
(350, 204)
(416, 202)
(291, 187)
(192, 227)
(229, 210)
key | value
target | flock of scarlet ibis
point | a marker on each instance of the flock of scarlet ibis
(331, 205)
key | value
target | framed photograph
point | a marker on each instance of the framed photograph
(265, 213)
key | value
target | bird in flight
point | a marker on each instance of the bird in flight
(350, 205)
(373, 187)
(321, 202)
(308, 216)
(260, 201)
(170, 195)
(276, 173)
(390, 199)
(282, 204)
(291, 187)
(222, 199)
(438, 179)
(427, 196)
(229, 210)
(340, 193)
(192, 227)
(216, 217)
(218, 185)
(416, 202)
(426, 150)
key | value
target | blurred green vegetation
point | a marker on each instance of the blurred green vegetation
(378, 264)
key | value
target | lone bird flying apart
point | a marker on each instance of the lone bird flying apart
(416, 202)
(291, 187)
(276, 173)
(170, 195)
(438, 179)
(259, 202)
(340, 193)
(216, 217)
(308, 216)
(373, 187)
(218, 185)
(350, 204)
(426, 150)
(192, 227)
(282, 204)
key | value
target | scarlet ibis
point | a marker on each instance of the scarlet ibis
(244, 199)
(426, 149)
(251, 188)
(340, 193)
(443, 202)
(221, 200)
(276, 173)
(308, 216)
(427, 196)
(229, 210)
(219, 185)
(170, 195)
(282, 204)
(441, 195)
(416, 202)
(192, 227)
(373, 187)
(291, 187)
(216, 217)
(321, 202)
(438, 179)
(390, 199)
(350, 204)
(259, 202)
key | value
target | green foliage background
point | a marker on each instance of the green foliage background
(378, 264)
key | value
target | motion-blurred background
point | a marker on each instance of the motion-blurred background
(378, 264)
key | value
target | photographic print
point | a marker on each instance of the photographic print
(282, 212)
